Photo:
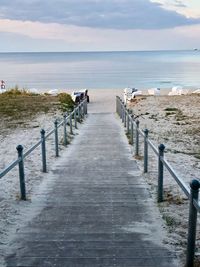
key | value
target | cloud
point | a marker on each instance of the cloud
(179, 3)
(105, 14)
(35, 36)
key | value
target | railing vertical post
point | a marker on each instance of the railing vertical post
(75, 119)
(79, 116)
(21, 172)
(56, 138)
(128, 122)
(117, 111)
(86, 104)
(132, 131)
(120, 109)
(83, 109)
(70, 123)
(123, 111)
(194, 194)
(64, 129)
(146, 133)
(125, 116)
(137, 138)
(43, 146)
(161, 149)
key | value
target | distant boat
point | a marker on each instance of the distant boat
(196, 49)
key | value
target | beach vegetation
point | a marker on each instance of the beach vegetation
(170, 221)
(20, 106)
(171, 109)
(16, 91)
(169, 113)
(128, 135)
(66, 102)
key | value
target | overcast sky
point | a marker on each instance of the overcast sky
(90, 25)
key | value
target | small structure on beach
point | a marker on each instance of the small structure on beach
(78, 96)
(154, 91)
(130, 93)
(178, 90)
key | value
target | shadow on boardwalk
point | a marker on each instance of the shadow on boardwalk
(96, 209)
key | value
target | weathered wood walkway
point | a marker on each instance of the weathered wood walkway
(96, 209)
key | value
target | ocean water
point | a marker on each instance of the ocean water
(75, 70)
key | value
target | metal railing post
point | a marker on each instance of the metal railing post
(75, 119)
(146, 133)
(83, 110)
(56, 138)
(79, 116)
(128, 122)
(21, 172)
(194, 194)
(137, 138)
(70, 123)
(120, 109)
(161, 149)
(64, 130)
(86, 107)
(43, 146)
(125, 116)
(132, 131)
(123, 111)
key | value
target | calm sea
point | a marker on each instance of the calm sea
(101, 69)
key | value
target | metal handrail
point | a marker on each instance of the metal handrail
(153, 147)
(192, 193)
(179, 181)
(9, 168)
(32, 149)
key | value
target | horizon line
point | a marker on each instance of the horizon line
(101, 51)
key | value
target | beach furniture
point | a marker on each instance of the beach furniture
(196, 91)
(130, 93)
(78, 96)
(154, 91)
(178, 90)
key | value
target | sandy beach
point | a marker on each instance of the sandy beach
(173, 121)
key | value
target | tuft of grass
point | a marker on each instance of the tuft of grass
(169, 220)
(171, 109)
(66, 102)
(169, 113)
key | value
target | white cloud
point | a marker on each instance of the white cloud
(188, 8)
(36, 36)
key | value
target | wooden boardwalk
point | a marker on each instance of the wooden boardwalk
(96, 209)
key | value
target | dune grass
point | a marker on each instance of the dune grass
(16, 104)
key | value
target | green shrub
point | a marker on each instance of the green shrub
(66, 102)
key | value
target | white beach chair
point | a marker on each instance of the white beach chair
(127, 94)
(196, 91)
(154, 91)
(178, 90)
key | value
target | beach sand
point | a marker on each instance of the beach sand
(178, 130)
(173, 121)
